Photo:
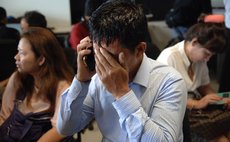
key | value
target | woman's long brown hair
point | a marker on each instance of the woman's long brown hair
(55, 68)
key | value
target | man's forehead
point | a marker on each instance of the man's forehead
(104, 44)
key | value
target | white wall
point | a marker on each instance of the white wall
(217, 3)
(218, 6)
(57, 12)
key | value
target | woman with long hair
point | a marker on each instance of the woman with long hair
(30, 101)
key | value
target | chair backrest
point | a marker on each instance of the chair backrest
(8, 49)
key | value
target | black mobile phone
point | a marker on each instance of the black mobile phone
(90, 60)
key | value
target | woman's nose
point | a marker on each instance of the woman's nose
(16, 57)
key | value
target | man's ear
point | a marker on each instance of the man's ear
(41, 60)
(141, 48)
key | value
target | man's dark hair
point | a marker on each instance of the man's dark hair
(118, 20)
(35, 19)
(2, 14)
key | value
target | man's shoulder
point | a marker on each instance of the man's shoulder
(162, 69)
(163, 75)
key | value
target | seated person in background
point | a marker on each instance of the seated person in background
(33, 19)
(190, 58)
(132, 97)
(80, 30)
(6, 32)
(8, 37)
(32, 95)
(184, 14)
(36, 19)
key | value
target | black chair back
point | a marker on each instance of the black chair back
(8, 49)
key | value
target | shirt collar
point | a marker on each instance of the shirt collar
(142, 76)
(183, 54)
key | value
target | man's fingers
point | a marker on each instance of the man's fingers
(84, 43)
(86, 39)
(101, 60)
(112, 61)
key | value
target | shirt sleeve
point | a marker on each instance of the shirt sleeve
(62, 86)
(163, 122)
(68, 120)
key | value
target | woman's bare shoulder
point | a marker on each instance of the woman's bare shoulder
(62, 86)
(10, 89)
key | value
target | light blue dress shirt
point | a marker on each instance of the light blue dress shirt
(152, 111)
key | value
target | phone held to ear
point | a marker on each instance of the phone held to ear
(89, 59)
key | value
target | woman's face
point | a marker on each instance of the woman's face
(199, 53)
(24, 25)
(26, 60)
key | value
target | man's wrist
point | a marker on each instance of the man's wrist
(79, 78)
(121, 93)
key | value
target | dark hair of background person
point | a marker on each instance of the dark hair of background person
(2, 15)
(91, 6)
(6, 32)
(35, 19)
(112, 23)
(210, 35)
(55, 68)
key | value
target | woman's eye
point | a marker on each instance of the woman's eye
(21, 53)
